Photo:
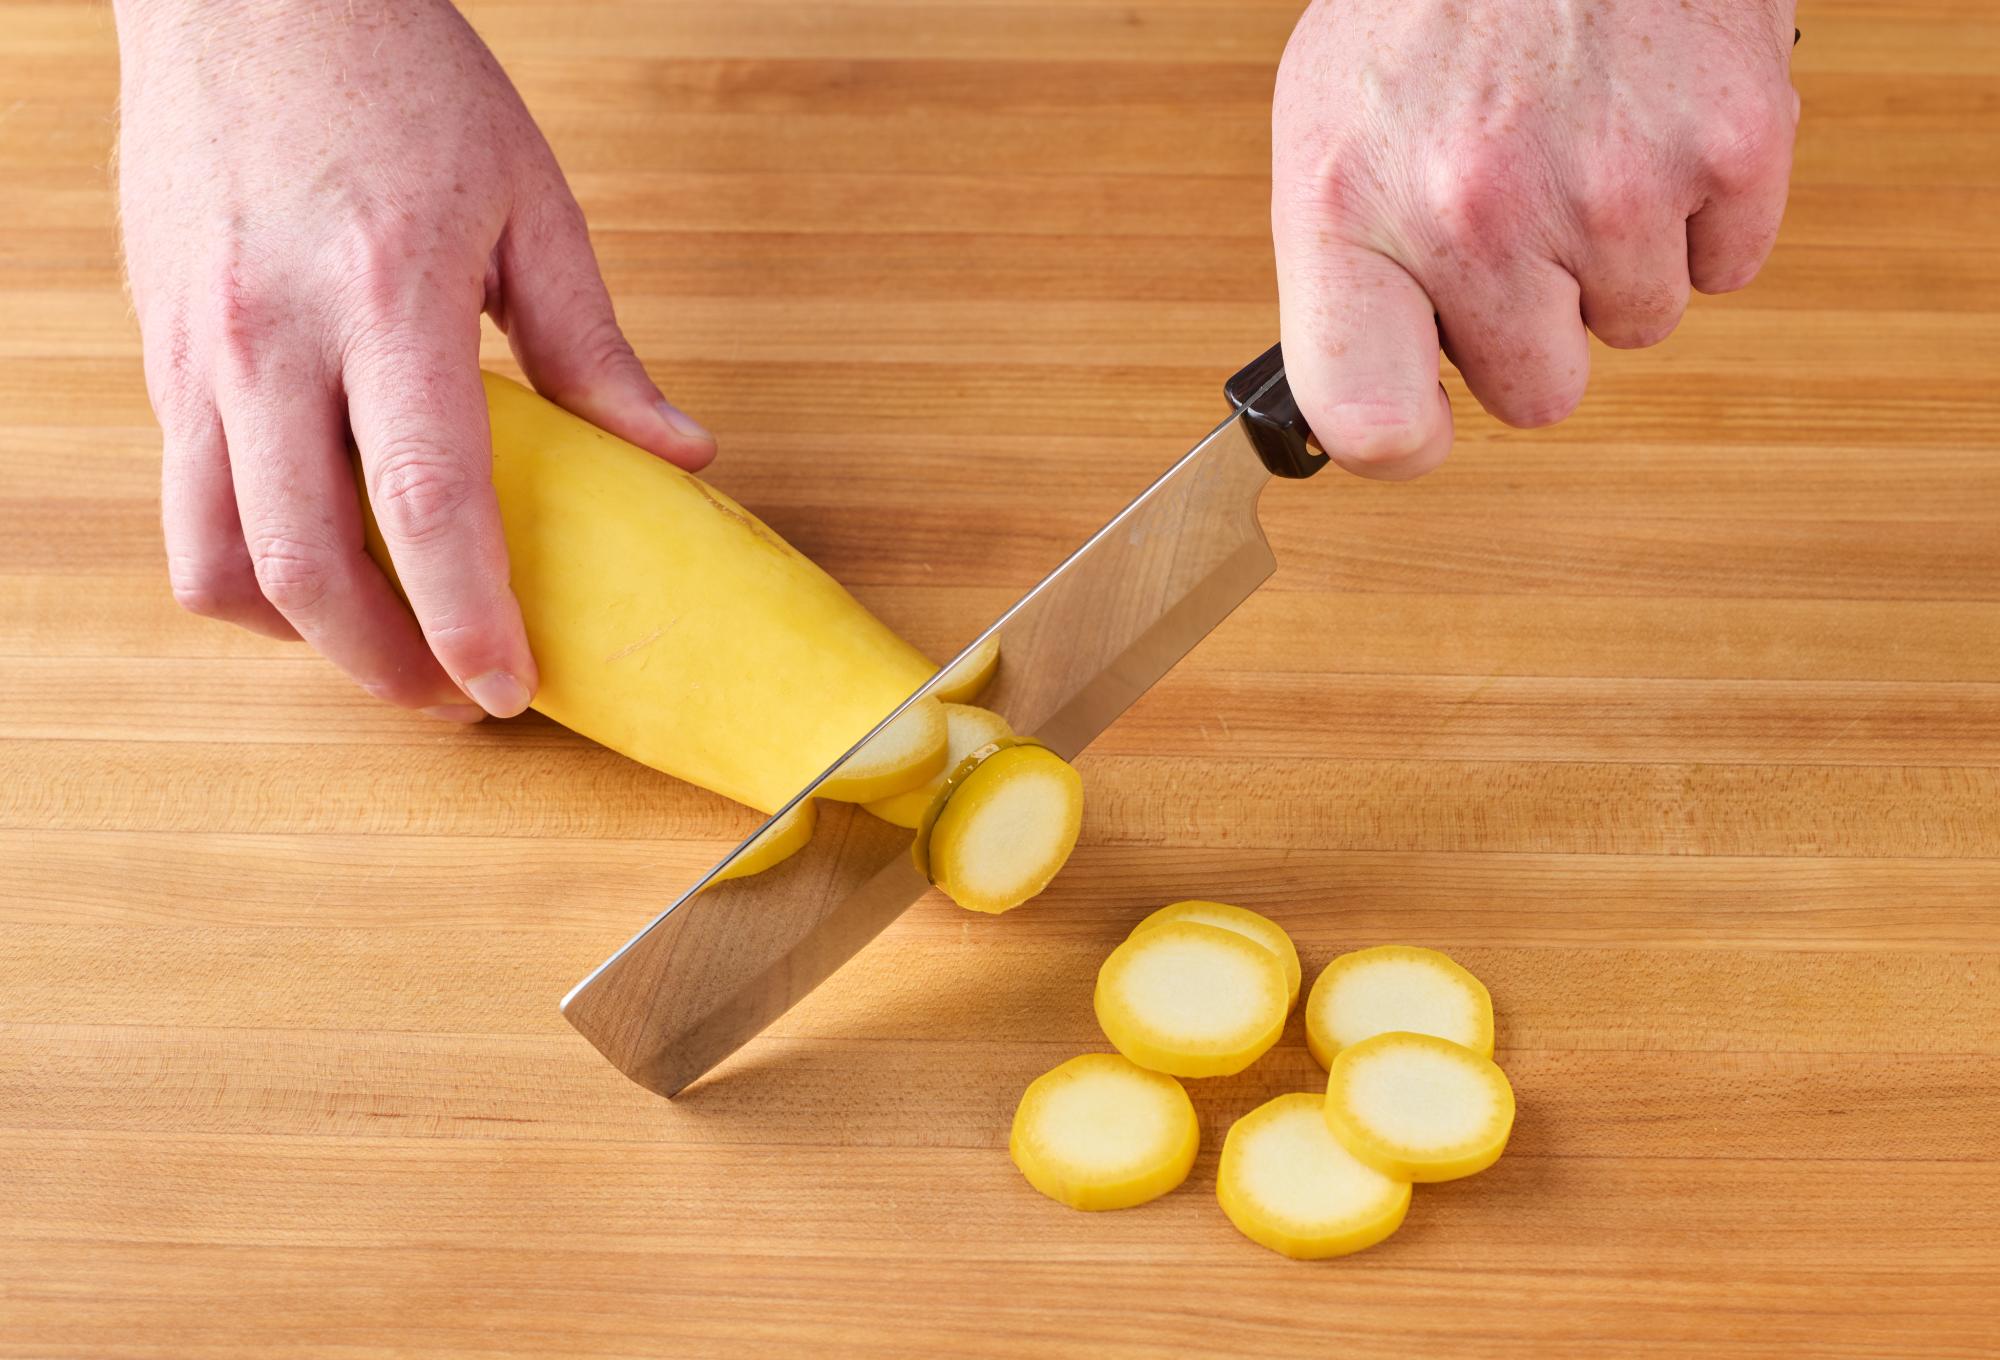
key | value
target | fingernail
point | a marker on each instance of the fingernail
(455, 713)
(680, 422)
(499, 693)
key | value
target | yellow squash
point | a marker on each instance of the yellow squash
(672, 625)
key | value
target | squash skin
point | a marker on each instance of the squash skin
(672, 625)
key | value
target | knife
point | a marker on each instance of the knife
(729, 957)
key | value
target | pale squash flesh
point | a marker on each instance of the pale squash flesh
(1244, 922)
(964, 680)
(1396, 987)
(1419, 1108)
(1101, 1132)
(776, 843)
(1191, 999)
(1001, 826)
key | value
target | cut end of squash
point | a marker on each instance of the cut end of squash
(1099, 1132)
(1244, 922)
(970, 674)
(1288, 1185)
(967, 729)
(1002, 826)
(1191, 999)
(776, 843)
(1395, 988)
(1418, 1107)
(907, 753)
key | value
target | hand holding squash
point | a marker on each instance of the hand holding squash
(319, 199)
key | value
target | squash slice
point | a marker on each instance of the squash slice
(775, 843)
(1099, 1132)
(963, 682)
(1396, 987)
(1288, 1185)
(1190, 999)
(968, 729)
(1002, 826)
(1243, 921)
(1418, 1107)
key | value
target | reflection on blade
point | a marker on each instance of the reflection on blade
(730, 957)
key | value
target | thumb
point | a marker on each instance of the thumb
(553, 305)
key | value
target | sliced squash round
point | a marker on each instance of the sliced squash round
(1418, 1107)
(970, 674)
(907, 753)
(777, 842)
(1191, 999)
(1396, 987)
(968, 729)
(1100, 1132)
(1243, 921)
(1287, 1184)
(1002, 826)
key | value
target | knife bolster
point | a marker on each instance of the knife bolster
(1276, 427)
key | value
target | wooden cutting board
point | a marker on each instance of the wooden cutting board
(1678, 723)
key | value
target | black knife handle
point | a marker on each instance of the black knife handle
(1276, 428)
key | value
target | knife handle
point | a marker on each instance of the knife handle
(1276, 427)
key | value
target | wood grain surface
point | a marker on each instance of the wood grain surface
(1679, 723)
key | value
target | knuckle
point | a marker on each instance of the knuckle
(1745, 143)
(1335, 187)
(173, 379)
(293, 571)
(603, 345)
(1617, 207)
(1728, 278)
(371, 256)
(1635, 334)
(420, 490)
(1534, 409)
(468, 646)
(1478, 200)
(598, 353)
(1640, 315)
(389, 266)
(204, 587)
(244, 319)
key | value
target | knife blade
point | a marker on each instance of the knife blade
(727, 958)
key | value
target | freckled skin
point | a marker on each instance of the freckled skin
(319, 198)
(1500, 180)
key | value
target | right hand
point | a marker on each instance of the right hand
(319, 199)
(1500, 178)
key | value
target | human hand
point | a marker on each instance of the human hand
(1498, 175)
(319, 199)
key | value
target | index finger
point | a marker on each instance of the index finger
(417, 408)
(1361, 352)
